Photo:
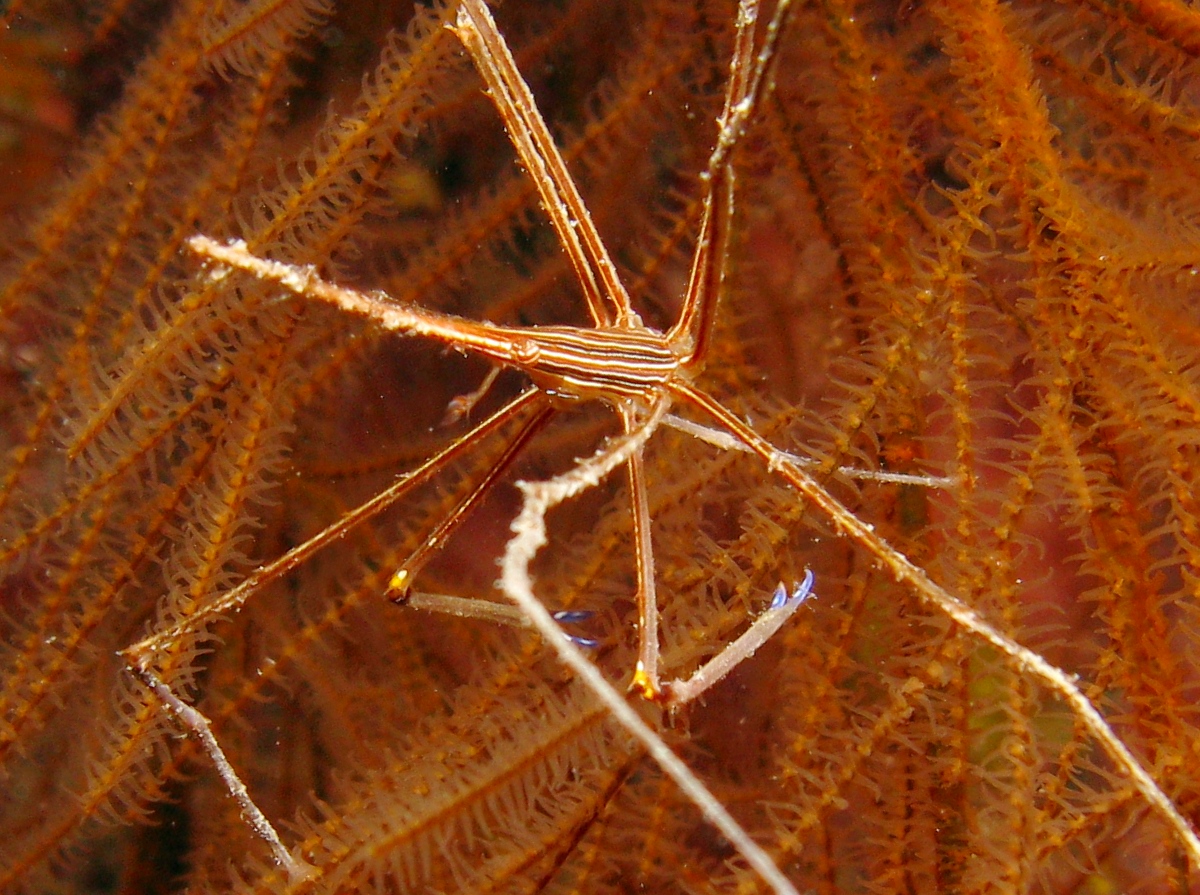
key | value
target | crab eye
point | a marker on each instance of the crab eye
(526, 351)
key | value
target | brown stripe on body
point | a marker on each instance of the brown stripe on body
(595, 363)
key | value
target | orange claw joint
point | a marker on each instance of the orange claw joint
(400, 584)
(643, 685)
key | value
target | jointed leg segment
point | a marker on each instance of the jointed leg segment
(641, 373)
(614, 362)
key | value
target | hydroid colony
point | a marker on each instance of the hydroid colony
(964, 247)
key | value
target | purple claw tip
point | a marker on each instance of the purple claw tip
(801, 591)
(573, 617)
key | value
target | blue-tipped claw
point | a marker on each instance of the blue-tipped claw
(801, 591)
(574, 617)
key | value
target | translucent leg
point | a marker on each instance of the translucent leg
(402, 581)
(645, 675)
(497, 613)
(783, 604)
(197, 725)
(140, 654)
(529, 535)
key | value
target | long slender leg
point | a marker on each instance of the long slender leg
(141, 654)
(905, 572)
(197, 725)
(708, 271)
(645, 676)
(783, 604)
(496, 613)
(746, 86)
(436, 539)
(530, 137)
(529, 535)
(747, 78)
(719, 438)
